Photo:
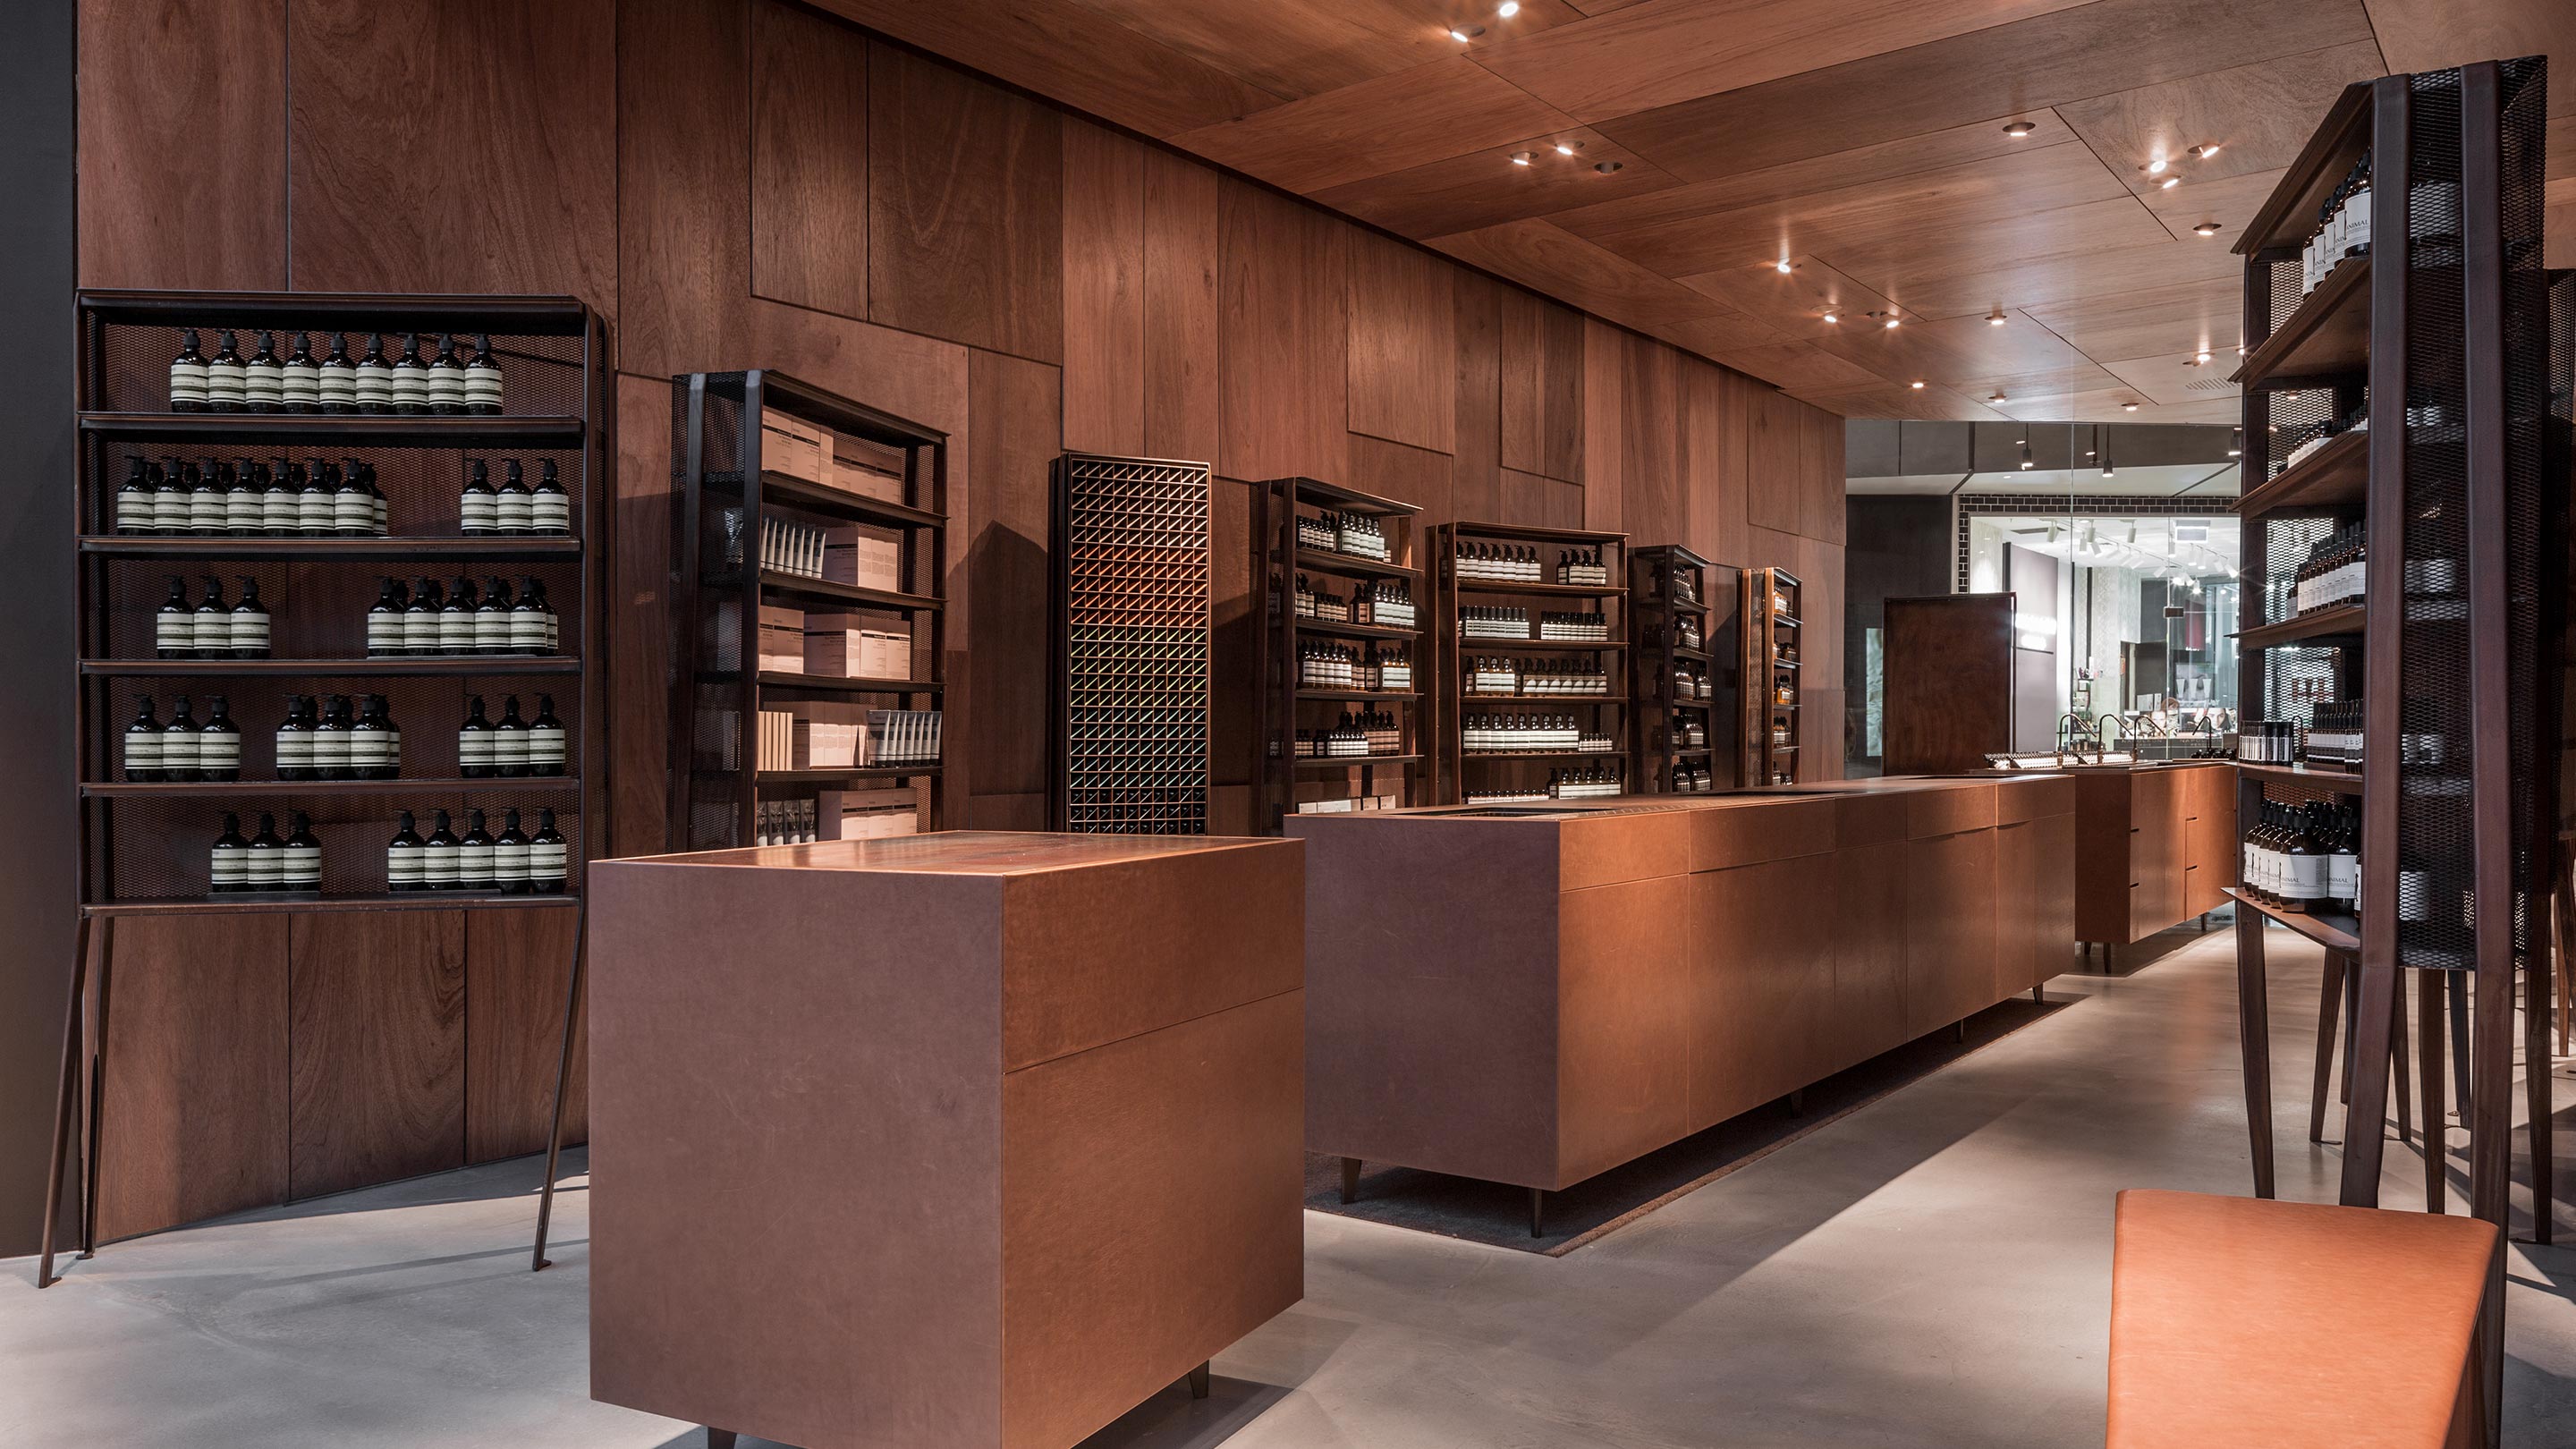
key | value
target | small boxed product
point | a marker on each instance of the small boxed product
(824, 745)
(782, 639)
(867, 814)
(858, 646)
(793, 446)
(777, 741)
(870, 470)
(870, 558)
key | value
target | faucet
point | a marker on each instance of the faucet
(2103, 730)
(2071, 740)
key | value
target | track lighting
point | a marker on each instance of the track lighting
(2026, 461)
(2236, 443)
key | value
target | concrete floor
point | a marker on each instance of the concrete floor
(1932, 1270)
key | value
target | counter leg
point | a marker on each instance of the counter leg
(1199, 1382)
(2459, 986)
(2329, 1012)
(2254, 1027)
(2397, 1064)
(1959, 1031)
(719, 1438)
(1797, 1100)
(2039, 994)
(63, 1100)
(1350, 1179)
(1538, 1212)
(2437, 1137)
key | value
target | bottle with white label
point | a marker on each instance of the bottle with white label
(420, 618)
(545, 739)
(403, 863)
(551, 640)
(510, 741)
(224, 381)
(478, 507)
(373, 754)
(446, 382)
(314, 505)
(264, 378)
(136, 505)
(510, 857)
(483, 381)
(385, 619)
(547, 857)
(242, 498)
(249, 623)
(492, 618)
(335, 379)
(218, 743)
(379, 508)
(456, 619)
(188, 375)
(210, 629)
(303, 873)
(331, 741)
(206, 489)
(513, 504)
(438, 855)
(372, 380)
(169, 512)
(174, 625)
(474, 743)
(300, 378)
(179, 744)
(229, 862)
(2343, 862)
(279, 498)
(265, 858)
(528, 616)
(474, 864)
(410, 380)
(353, 507)
(549, 506)
(142, 745)
(295, 740)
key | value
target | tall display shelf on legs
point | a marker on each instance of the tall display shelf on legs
(1471, 777)
(2458, 475)
(423, 1021)
(1686, 667)
(1363, 632)
(746, 458)
(1773, 613)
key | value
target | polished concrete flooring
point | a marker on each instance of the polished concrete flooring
(1931, 1270)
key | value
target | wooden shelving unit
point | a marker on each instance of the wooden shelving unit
(1685, 621)
(2454, 649)
(1289, 704)
(145, 845)
(733, 484)
(1771, 606)
(1465, 774)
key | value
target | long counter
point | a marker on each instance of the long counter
(950, 1141)
(1537, 994)
(2155, 846)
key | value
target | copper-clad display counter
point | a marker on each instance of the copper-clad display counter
(1536, 994)
(945, 1140)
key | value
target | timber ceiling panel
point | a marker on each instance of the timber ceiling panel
(1863, 140)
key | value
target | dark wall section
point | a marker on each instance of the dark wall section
(1894, 547)
(36, 649)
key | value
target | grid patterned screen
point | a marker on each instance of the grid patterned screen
(1132, 645)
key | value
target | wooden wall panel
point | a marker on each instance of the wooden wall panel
(1281, 337)
(639, 703)
(1543, 502)
(1542, 381)
(1476, 468)
(1604, 470)
(194, 1117)
(1773, 442)
(517, 964)
(1820, 475)
(1181, 229)
(1012, 413)
(1653, 509)
(809, 160)
(394, 191)
(965, 209)
(1411, 475)
(182, 182)
(376, 1019)
(1711, 459)
(683, 207)
(1235, 645)
(1104, 290)
(1403, 343)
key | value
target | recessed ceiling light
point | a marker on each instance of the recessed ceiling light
(1568, 148)
(1520, 158)
(1508, 9)
(2157, 166)
(1892, 320)
(2203, 358)
(2128, 407)
(2206, 228)
(1998, 397)
(1995, 318)
(2019, 129)
(1607, 167)
(2204, 150)
(1785, 265)
(1833, 316)
(1464, 33)
(1916, 383)
(2169, 183)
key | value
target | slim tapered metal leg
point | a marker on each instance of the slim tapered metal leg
(2329, 1012)
(1538, 1212)
(1959, 1030)
(2254, 1031)
(563, 1077)
(2428, 1009)
(1199, 1382)
(70, 1084)
(2460, 1084)
(1797, 1101)
(2397, 1066)
(2039, 994)
(1350, 1179)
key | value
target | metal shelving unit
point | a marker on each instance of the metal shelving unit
(1289, 704)
(1770, 601)
(1461, 772)
(1686, 623)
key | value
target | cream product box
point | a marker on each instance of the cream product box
(870, 558)
(858, 646)
(793, 446)
(782, 639)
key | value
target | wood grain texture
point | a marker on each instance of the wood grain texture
(1486, 188)
(1104, 290)
(1949, 952)
(1948, 682)
(683, 202)
(1417, 476)
(1544, 502)
(965, 209)
(1604, 422)
(376, 1006)
(182, 182)
(1821, 501)
(1313, 48)
(1711, 457)
(1403, 343)
(1449, 106)
(1600, 281)
(639, 636)
(1012, 409)
(1772, 440)
(193, 1119)
(2260, 115)
(1475, 486)
(1623, 1050)
(1281, 368)
(1652, 507)
(809, 160)
(520, 199)
(517, 964)
(1542, 387)
(1181, 309)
